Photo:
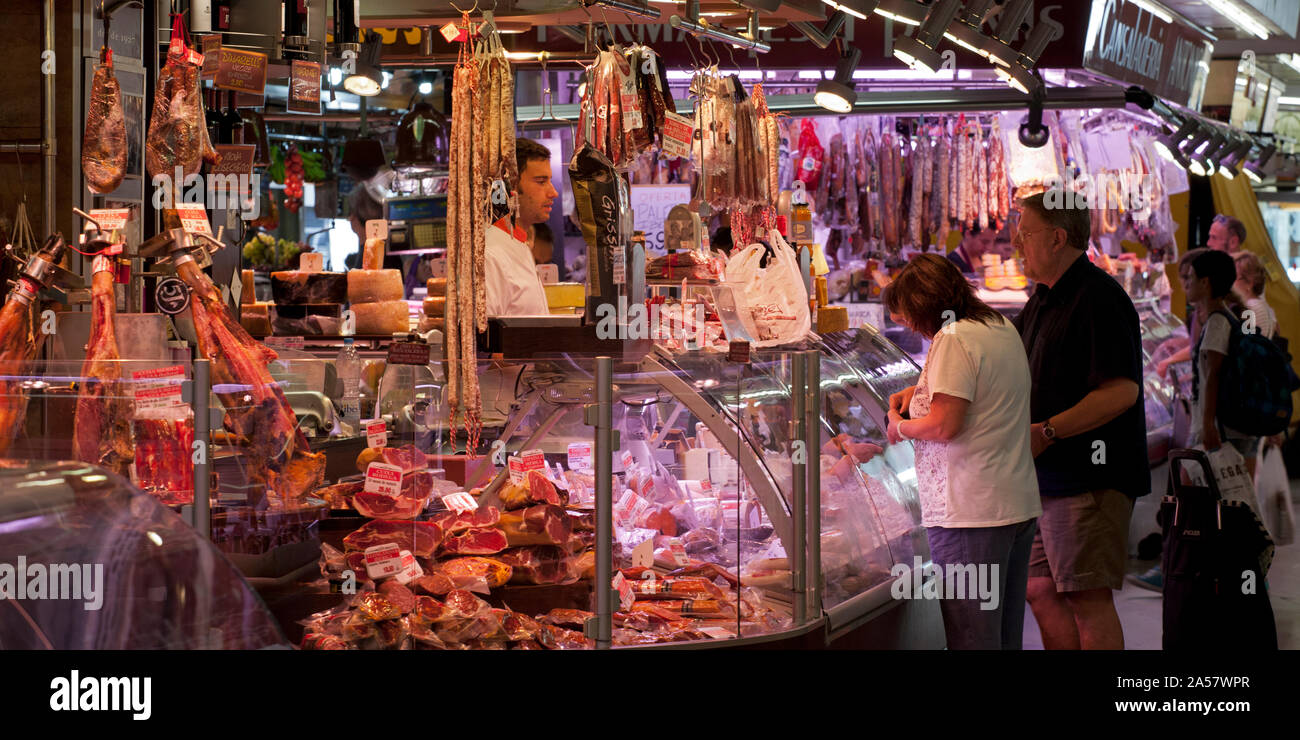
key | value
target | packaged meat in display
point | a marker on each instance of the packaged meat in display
(479, 541)
(102, 423)
(809, 156)
(686, 265)
(544, 524)
(421, 538)
(465, 572)
(456, 522)
(164, 449)
(535, 489)
(382, 506)
(103, 145)
(539, 565)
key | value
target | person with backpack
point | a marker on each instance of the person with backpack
(1249, 289)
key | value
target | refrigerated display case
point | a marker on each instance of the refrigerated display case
(119, 570)
(1160, 394)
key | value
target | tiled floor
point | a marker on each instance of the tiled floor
(1140, 609)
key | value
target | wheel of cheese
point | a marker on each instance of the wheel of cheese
(435, 306)
(438, 286)
(375, 286)
(372, 255)
(247, 295)
(428, 323)
(384, 317)
(296, 286)
(256, 318)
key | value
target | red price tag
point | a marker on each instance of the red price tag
(626, 596)
(411, 570)
(376, 434)
(384, 478)
(383, 561)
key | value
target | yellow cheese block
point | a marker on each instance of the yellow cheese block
(372, 255)
(375, 286)
(832, 318)
(437, 286)
(256, 318)
(385, 317)
(247, 294)
(435, 306)
(565, 295)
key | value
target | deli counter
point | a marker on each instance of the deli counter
(745, 511)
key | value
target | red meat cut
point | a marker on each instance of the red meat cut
(453, 523)
(543, 524)
(477, 541)
(420, 538)
(379, 506)
(540, 565)
(400, 596)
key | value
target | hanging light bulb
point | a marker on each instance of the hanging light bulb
(367, 79)
(1205, 159)
(965, 31)
(837, 94)
(1167, 146)
(1013, 16)
(917, 51)
(1187, 152)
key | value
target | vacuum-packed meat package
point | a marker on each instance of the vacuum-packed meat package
(541, 565)
(164, 448)
(604, 207)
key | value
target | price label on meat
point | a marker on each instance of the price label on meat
(520, 465)
(384, 479)
(579, 456)
(194, 218)
(158, 388)
(678, 551)
(376, 433)
(111, 219)
(678, 132)
(408, 353)
(460, 502)
(172, 296)
(631, 102)
(626, 596)
(383, 561)
(243, 71)
(410, 569)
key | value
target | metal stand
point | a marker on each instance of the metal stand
(812, 431)
(797, 550)
(604, 500)
(202, 506)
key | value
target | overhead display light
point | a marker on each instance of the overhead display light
(850, 9)
(1167, 146)
(902, 11)
(367, 80)
(1010, 21)
(837, 94)
(1239, 16)
(917, 51)
(1019, 74)
(966, 30)
(1254, 169)
(1236, 155)
(1187, 152)
(1209, 155)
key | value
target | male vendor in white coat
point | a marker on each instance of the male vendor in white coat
(513, 287)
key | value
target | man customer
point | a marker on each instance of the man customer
(1227, 234)
(1080, 331)
(968, 418)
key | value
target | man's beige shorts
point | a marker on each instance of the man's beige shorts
(1082, 540)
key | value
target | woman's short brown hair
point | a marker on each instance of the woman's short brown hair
(930, 286)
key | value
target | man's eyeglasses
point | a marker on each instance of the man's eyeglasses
(1022, 234)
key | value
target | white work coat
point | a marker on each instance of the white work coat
(513, 288)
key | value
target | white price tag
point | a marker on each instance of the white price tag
(377, 228)
(383, 561)
(376, 433)
(643, 555)
(579, 456)
(678, 133)
(410, 569)
(626, 596)
(194, 218)
(618, 265)
(111, 219)
(460, 502)
(384, 478)
(679, 552)
(438, 267)
(718, 633)
(159, 388)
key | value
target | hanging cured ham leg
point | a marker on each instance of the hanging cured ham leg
(103, 428)
(279, 454)
(103, 148)
(18, 339)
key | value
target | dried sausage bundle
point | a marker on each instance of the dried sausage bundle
(999, 188)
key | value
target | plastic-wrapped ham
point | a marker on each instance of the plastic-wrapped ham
(421, 538)
(477, 541)
(164, 466)
(103, 146)
(541, 565)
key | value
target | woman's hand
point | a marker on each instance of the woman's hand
(901, 400)
(1162, 367)
(891, 431)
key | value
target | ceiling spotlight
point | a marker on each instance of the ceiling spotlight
(1212, 152)
(822, 37)
(856, 12)
(1167, 146)
(1033, 134)
(426, 84)
(917, 51)
(837, 94)
(1010, 21)
(1254, 169)
(1019, 74)
(1236, 153)
(367, 79)
(965, 31)
(1187, 151)
(903, 11)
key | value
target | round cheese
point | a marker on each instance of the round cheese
(437, 286)
(374, 286)
(384, 317)
(435, 306)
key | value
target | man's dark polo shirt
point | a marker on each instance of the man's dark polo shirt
(1077, 334)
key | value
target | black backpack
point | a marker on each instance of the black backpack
(1256, 384)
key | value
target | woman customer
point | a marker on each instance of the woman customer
(968, 418)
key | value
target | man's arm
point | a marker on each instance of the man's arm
(1104, 403)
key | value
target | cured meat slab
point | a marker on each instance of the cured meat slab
(420, 538)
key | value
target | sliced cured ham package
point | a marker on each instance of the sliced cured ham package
(604, 207)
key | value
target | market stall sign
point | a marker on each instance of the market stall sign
(651, 205)
(242, 71)
(211, 55)
(172, 296)
(111, 219)
(1170, 60)
(408, 353)
(304, 87)
(236, 159)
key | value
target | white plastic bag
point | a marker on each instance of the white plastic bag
(771, 301)
(1275, 494)
(1230, 473)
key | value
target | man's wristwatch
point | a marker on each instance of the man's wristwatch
(1049, 431)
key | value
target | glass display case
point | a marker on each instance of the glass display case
(1162, 335)
(90, 562)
